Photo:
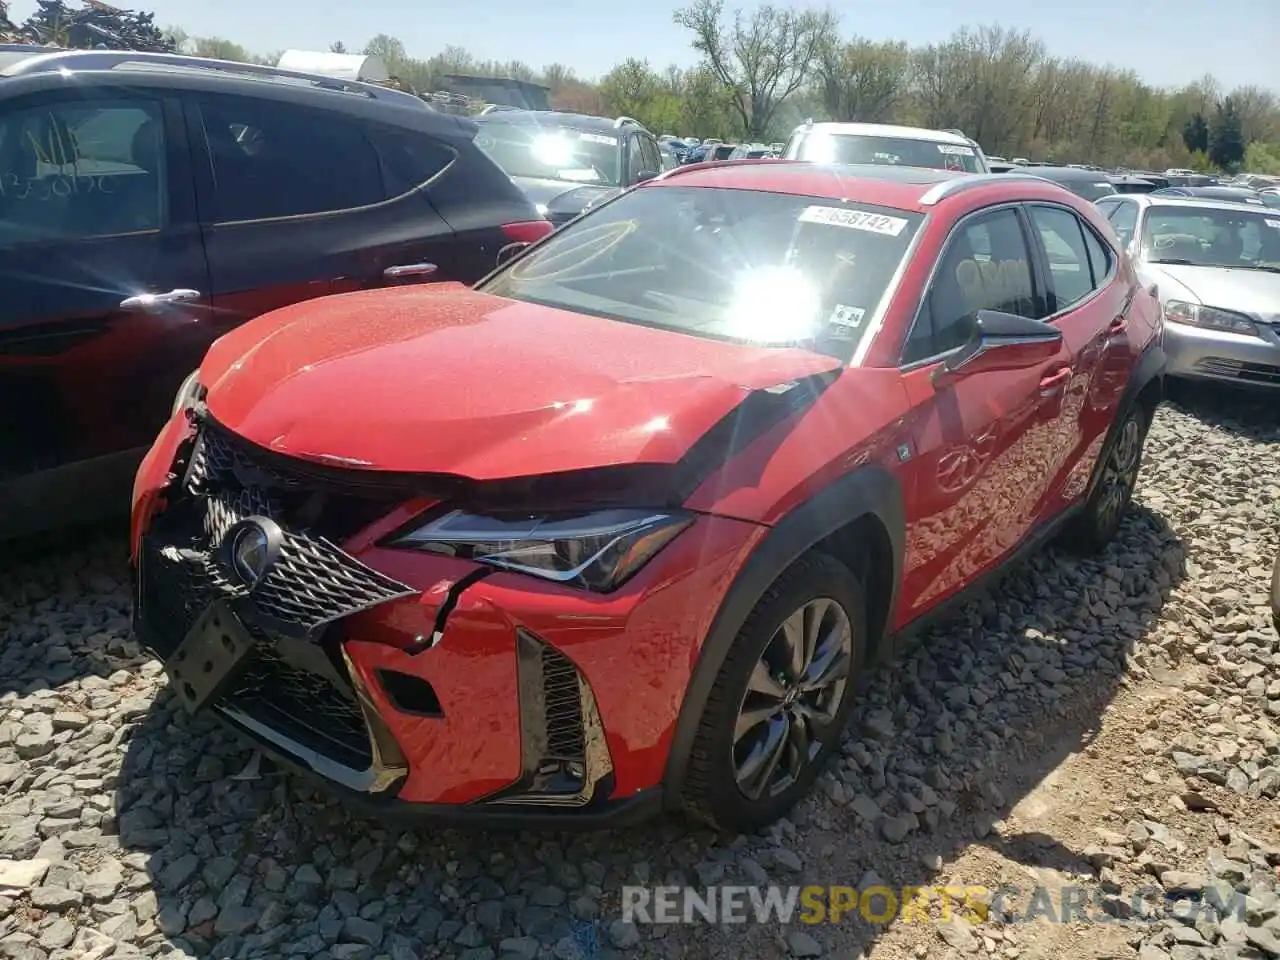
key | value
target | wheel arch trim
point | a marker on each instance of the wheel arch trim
(870, 491)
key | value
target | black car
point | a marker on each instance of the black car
(149, 203)
(565, 162)
(1089, 184)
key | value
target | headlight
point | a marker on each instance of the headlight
(597, 550)
(1209, 318)
(189, 394)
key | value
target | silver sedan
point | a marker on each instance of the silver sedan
(1216, 267)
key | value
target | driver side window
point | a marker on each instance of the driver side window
(986, 266)
(635, 159)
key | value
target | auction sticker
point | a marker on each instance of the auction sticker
(952, 150)
(598, 138)
(854, 220)
(1274, 224)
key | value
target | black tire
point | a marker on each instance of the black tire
(1100, 518)
(711, 791)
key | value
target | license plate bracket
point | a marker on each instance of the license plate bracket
(210, 656)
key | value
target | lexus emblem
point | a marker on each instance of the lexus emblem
(252, 548)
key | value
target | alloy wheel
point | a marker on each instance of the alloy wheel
(792, 698)
(1120, 475)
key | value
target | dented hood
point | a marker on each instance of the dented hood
(442, 379)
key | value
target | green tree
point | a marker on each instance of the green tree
(1226, 141)
(1195, 134)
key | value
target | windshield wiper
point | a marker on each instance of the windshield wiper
(1259, 266)
(1179, 262)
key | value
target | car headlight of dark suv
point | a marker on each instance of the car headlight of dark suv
(596, 550)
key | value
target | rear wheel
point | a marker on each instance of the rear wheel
(1104, 511)
(779, 704)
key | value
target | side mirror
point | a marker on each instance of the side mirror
(1001, 341)
(510, 251)
(644, 175)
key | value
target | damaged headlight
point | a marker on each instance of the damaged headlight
(597, 550)
(189, 394)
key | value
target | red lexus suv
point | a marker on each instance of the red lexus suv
(618, 528)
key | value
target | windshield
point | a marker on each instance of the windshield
(1212, 237)
(551, 152)
(895, 151)
(761, 268)
(1089, 189)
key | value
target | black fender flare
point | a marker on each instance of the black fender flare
(1149, 369)
(868, 491)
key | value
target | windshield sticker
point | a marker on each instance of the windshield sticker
(854, 220)
(950, 149)
(846, 317)
(598, 138)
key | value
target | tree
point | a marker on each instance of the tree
(761, 59)
(862, 80)
(1195, 134)
(1226, 141)
(8, 31)
(337, 47)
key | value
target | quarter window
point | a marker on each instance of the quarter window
(986, 266)
(409, 158)
(78, 170)
(273, 160)
(635, 159)
(1099, 256)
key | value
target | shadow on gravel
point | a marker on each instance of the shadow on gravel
(1250, 414)
(943, 744)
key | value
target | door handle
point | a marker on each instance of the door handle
(409, 271)
(156, 302)
(1050, 384)
(1118, 324)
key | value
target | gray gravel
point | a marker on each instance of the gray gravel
(130, 829)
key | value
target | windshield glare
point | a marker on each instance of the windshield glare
(551, 152)
(894, 151)
(760, 268)
(1210, 237)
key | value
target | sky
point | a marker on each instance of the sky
(1168, 42)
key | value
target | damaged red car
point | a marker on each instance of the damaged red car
(620, 528)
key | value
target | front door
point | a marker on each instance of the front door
(102, 279)
(979, 446)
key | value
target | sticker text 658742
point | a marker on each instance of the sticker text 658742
(854, 220)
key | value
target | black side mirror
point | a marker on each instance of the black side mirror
(1001, 341)
(644, 175)
(510, 251)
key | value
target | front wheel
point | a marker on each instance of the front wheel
(779, 704)
(1104, 511)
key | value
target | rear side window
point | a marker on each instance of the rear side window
(79, 169)
(272, 160)
(1063, 236)
(409, 158)
(1099, 256)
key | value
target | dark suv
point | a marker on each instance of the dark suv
(567, 162)
(151, 203)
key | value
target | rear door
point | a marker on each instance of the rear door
(297, 202)
(102, 278)
(1089, 301)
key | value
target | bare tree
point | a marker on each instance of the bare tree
(761, 59)
(862, 80)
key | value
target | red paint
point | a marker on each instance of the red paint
(444, 379)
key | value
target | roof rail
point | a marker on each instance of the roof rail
(948, 188)
(497, 108)
(117, 59)
(627, 121)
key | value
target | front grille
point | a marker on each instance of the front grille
(1239, 370)
(312, 584)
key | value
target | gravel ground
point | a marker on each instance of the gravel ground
(1111, 722)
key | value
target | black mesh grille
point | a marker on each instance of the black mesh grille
(1254, 372)
(560, 684)
(304, 706)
